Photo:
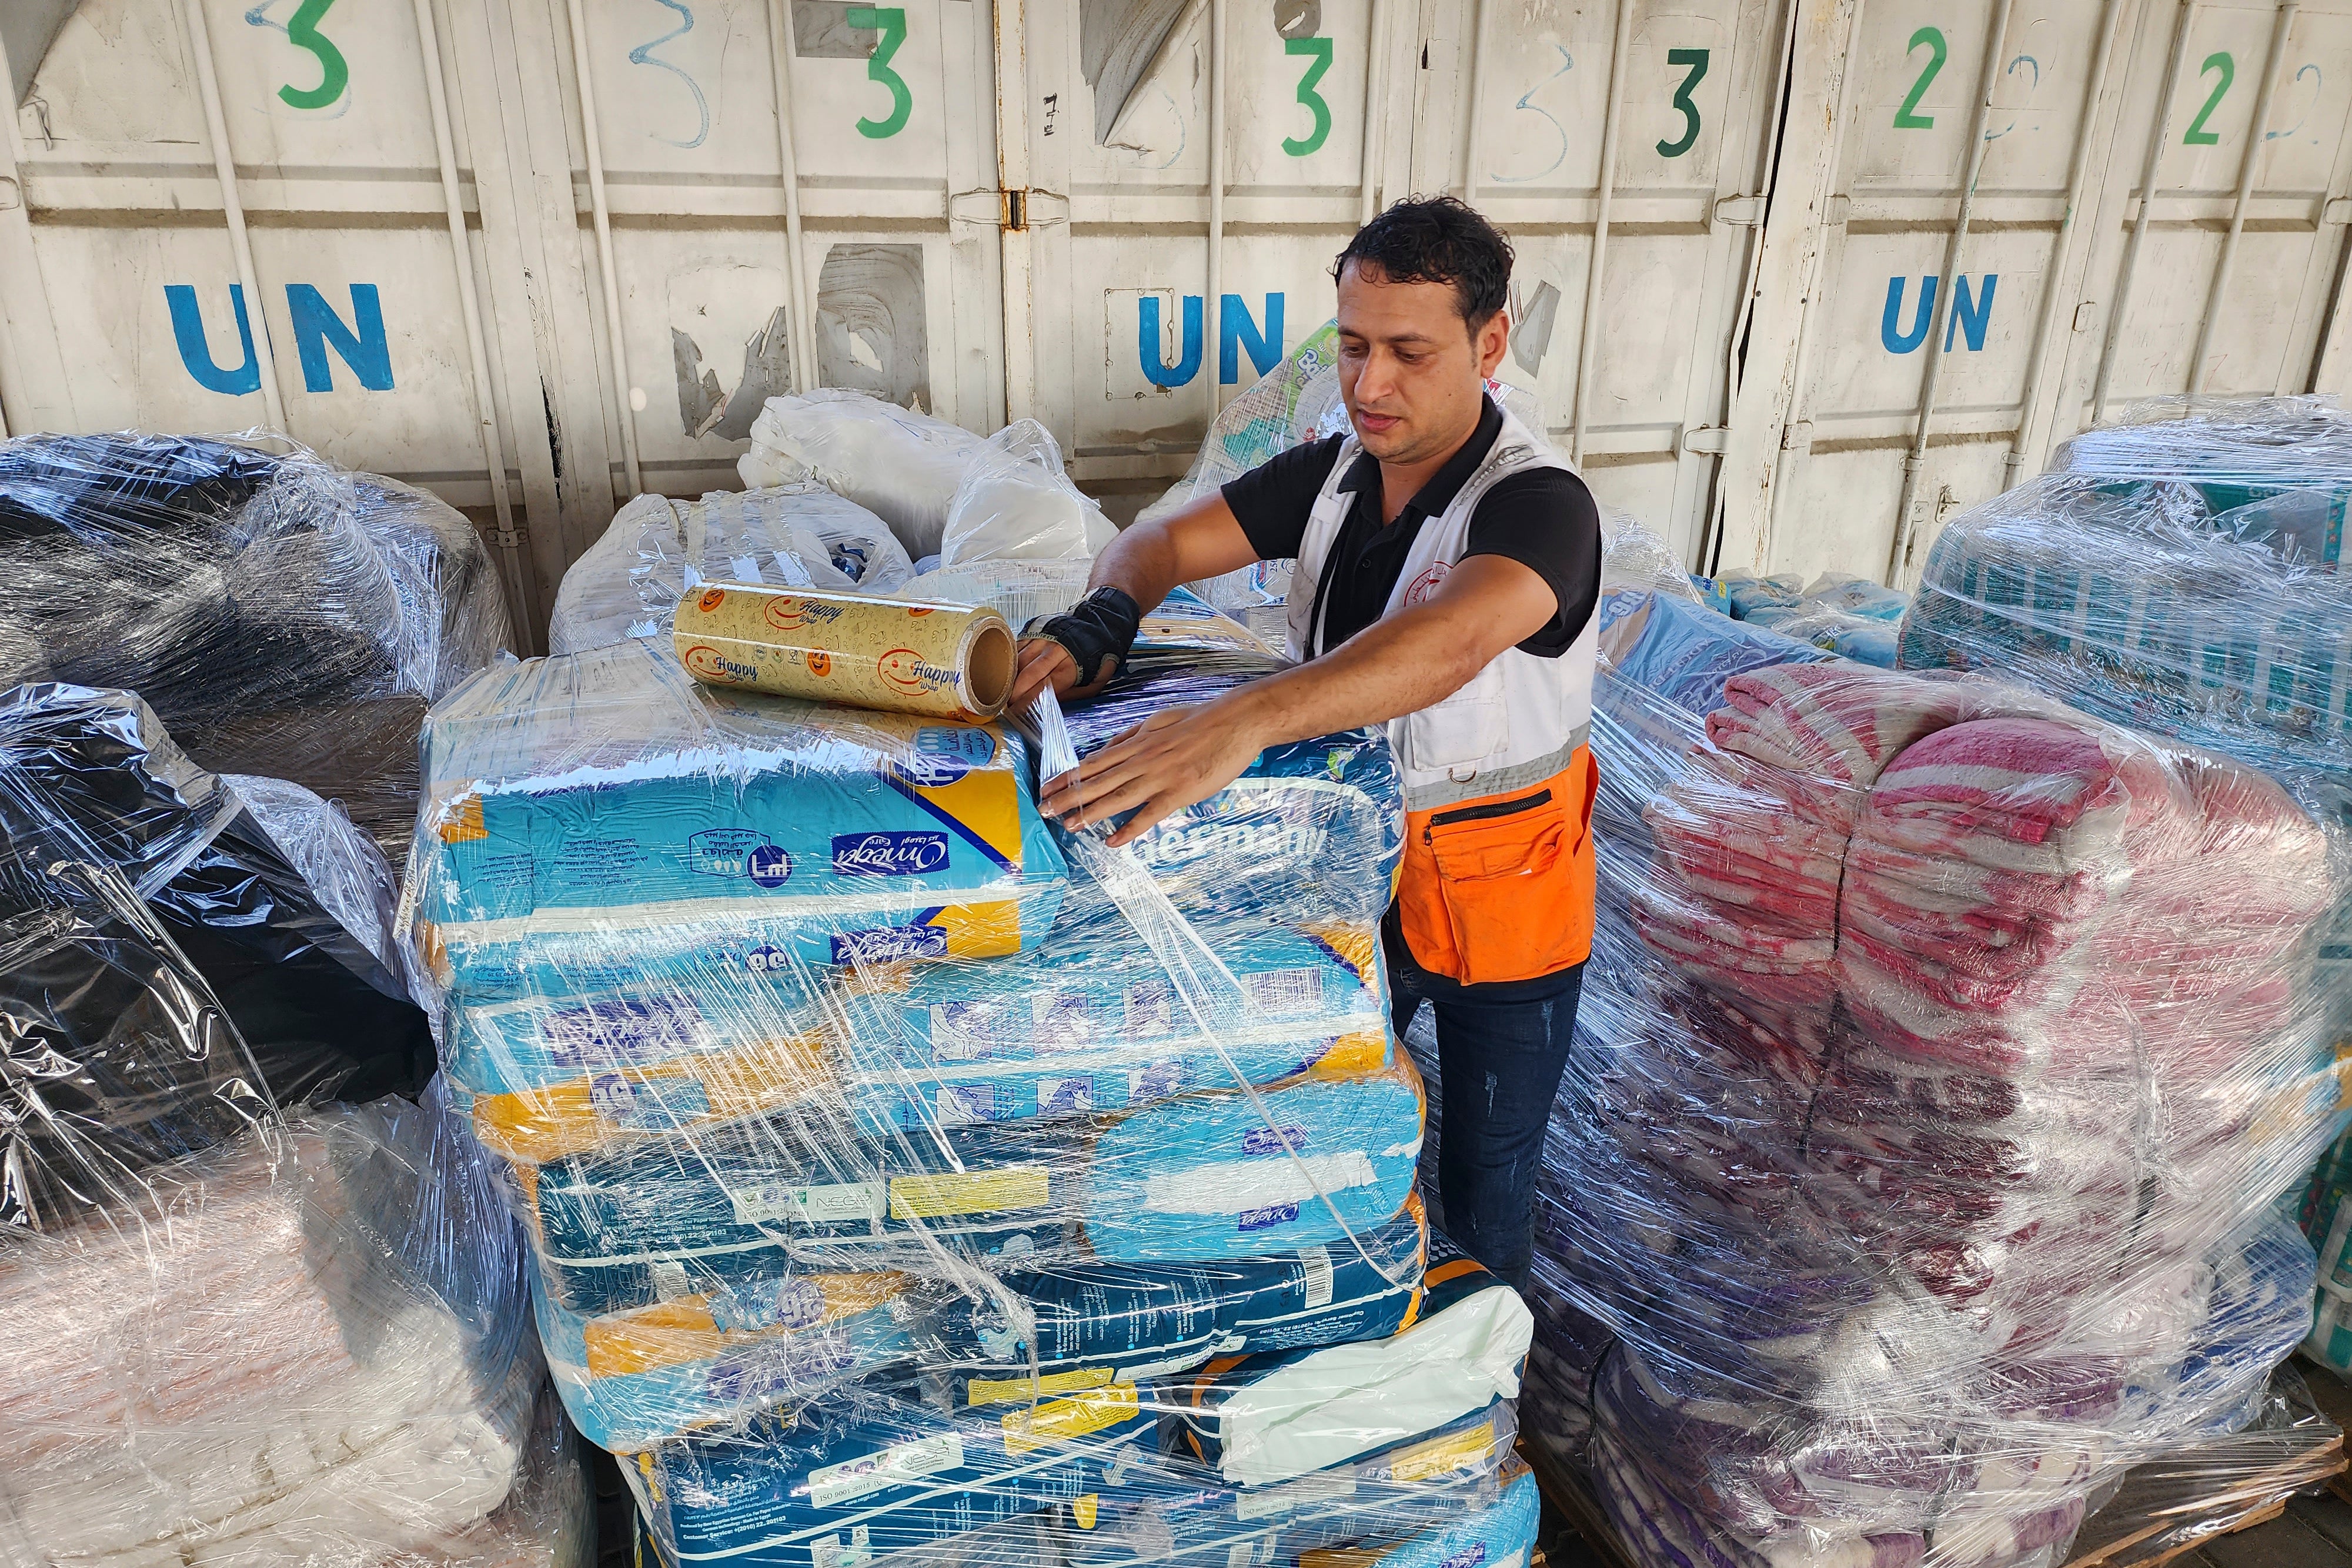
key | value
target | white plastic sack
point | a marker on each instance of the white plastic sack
(903, 466)
(1015, 504)
(802, 535)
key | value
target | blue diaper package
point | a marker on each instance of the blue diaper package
(1090, 1023)
(1198, 1178)
(1310, 833)
(1089, 1322)
(1438, 1481)
(1240, 1174)
(634, 1378)
(595, 819)
(847, 1477)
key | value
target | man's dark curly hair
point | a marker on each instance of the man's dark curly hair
(1437, 239)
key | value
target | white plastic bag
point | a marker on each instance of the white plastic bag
(901, 465)
(1015, 504)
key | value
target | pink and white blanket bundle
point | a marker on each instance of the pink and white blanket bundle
(2047, 964)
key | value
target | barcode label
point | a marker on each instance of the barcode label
(1281, 992)
(1316, 1263)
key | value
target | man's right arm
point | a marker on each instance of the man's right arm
(1145, 563)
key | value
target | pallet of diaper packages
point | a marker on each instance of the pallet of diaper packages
(884, 1466)
(1943, 1057)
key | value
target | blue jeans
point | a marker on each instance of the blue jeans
(1501, 1048)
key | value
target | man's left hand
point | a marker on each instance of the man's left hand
(1171, 760)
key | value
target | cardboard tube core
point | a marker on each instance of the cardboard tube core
(991, 670)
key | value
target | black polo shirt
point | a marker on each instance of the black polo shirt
(1545, 519)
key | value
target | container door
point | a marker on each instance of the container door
(1627, 290)
(235, 215)
(891, 288)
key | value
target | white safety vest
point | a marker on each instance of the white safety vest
(1519, 721)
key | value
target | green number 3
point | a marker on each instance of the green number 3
(2198, 135)
(1320, 51)
(1697, 60)
(890, 21)
(333, 74)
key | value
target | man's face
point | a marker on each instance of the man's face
(1410, 370)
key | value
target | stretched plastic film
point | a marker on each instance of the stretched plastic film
(942, 661)
(283, 617)
(908, 1175)
(1943, 1054)
(235, 1336)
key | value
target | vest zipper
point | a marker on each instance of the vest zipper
(1491, 809)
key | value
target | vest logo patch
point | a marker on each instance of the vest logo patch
(1424, 587)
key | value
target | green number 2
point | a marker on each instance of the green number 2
(2198, 135)
(333, 74)
(1320, 51)
(1697, 60)
(890, 21)
(1906, 118)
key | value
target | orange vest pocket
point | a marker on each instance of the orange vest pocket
(1502, 889)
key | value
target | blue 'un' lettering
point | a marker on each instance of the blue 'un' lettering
(1235, 331)
(363, 345)
(1971, 313)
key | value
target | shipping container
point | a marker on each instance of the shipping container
(1798, 279)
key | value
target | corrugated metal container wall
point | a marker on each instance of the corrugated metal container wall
(1330, 110)
(1989, 281)
(1791, 270)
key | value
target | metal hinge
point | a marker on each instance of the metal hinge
(1714, 438)
(508, 538)
(1798, 436)
(1009, 209)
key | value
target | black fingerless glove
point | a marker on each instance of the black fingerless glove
(1100, 626)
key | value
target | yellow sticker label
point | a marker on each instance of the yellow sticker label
(1440, 1455)
(1060, 1420)
(1083, 1510)
(1011, 1390)
(970, 1192)
(466, 825)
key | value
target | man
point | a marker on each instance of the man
(1448, 566)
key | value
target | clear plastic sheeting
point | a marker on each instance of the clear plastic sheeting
(1014, 503)
(801, 535)
(2179, 575)
(908, 1175)
(284, 617)
(275, 900)
(1943, 1055)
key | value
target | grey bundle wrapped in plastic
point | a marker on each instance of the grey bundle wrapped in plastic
(906, 1175)
(1943, 1054)
(284, 617)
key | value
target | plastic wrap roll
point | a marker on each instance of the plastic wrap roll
(942, 661)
